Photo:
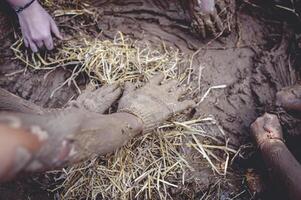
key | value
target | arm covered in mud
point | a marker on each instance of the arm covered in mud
(284, 169)
(37, 142)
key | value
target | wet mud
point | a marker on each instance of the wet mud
(255, 60)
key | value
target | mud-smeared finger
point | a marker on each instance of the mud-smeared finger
(128, 88)
(202, 28)
(220, 6)
(180, 91)
(113, 96)
(199, 27)
(157, 79)
(218, 22)
(210, 26)
(184, 106)
(90, 88)
(171, 84)
(106, 89)
(272, 123)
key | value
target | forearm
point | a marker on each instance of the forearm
(102, 134)
(11, 102)
(284, 168)
(65, 136)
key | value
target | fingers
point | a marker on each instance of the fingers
(106, 89)
(33, 47)
(44, 38)
(202, 29)
(219, 23)
(55, 29)
(39, 44)
(170, 85)
(199, 27)
(26, 43)
(48, 43)
(210, 25)
(184, 106)
(128, 88)
(157, 79)
(272, 123)
(113, 96)
(180, 91)
(221, 6)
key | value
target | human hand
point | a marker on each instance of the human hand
(155, 102)
(265, 129)
(205, 18)
(98, 100)
(37, 26)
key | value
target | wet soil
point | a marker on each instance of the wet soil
(256, 60)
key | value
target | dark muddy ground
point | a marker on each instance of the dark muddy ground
(256, 60)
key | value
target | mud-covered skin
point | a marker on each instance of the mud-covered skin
(155, 102)
(266, 129)
(97, 100)
(284, 169)
(77, 132)
(27, 120)
(290, 98)
(206, 20)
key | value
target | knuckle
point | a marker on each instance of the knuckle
(41, 37)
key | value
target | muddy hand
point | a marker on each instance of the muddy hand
(205, 19)
(289, 98)
(266, 129)
(98, 100)
(155, 102)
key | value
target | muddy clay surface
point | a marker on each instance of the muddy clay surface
(254, 61)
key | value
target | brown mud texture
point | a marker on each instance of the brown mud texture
(255, 60)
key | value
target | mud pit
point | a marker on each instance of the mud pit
(254, 61)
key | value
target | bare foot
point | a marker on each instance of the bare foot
(290, 98)
(266, 129)
(205, 18)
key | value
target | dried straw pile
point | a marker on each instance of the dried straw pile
(106, 61)
(159, 165)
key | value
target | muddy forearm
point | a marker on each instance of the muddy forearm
(102, 134)
(64, 136)
(284, 168)
(11, 102)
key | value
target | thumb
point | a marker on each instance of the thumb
(128, 88)
(55, 29)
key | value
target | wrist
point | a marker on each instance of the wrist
(21, 5)
(271, 145)
(135, 123)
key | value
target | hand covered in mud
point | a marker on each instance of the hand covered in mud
(205, 18)
(37, 27)
(289, 98)
(155, 102)
(98, 100)
(266, 128)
